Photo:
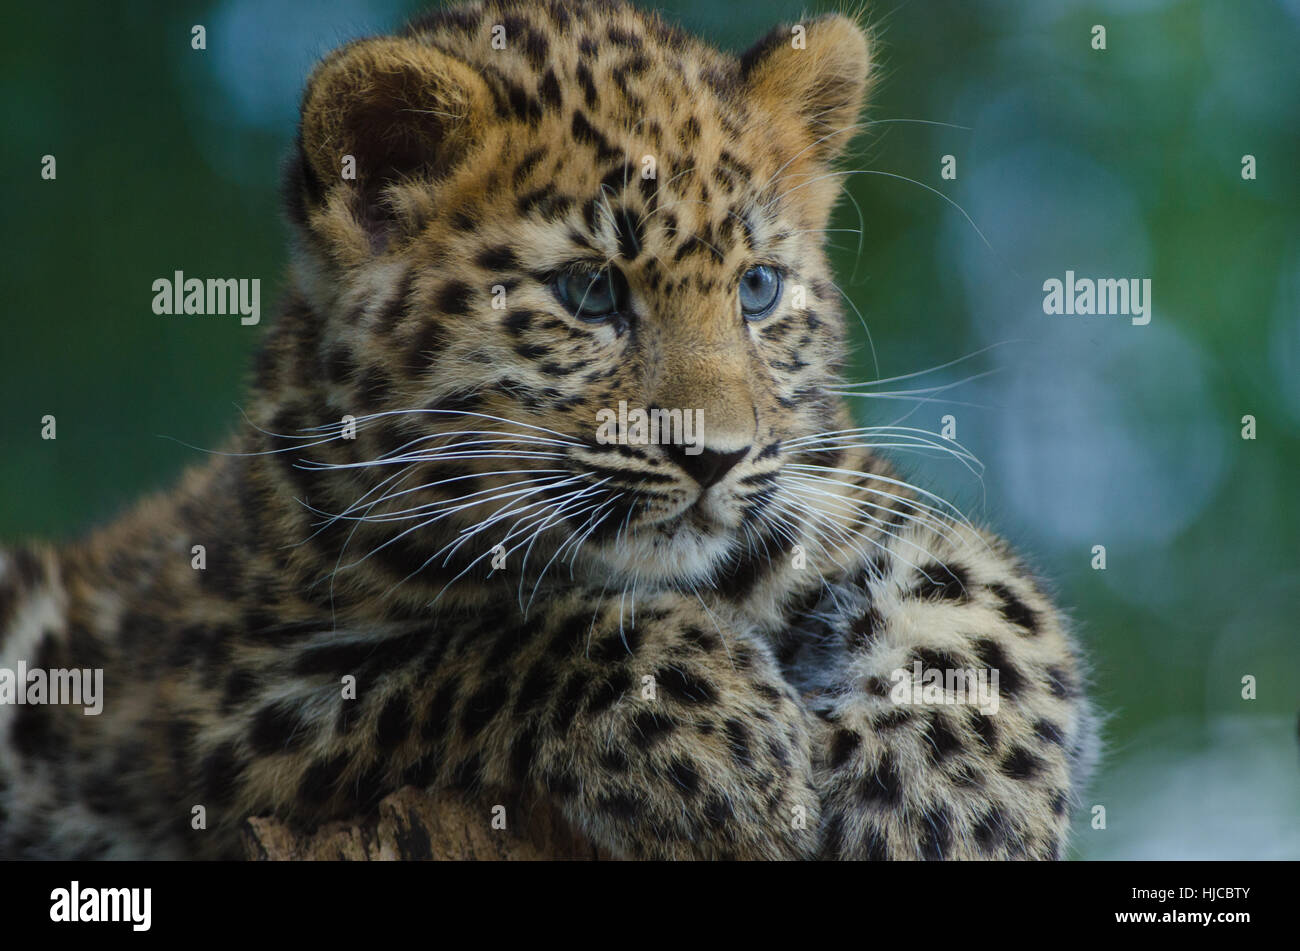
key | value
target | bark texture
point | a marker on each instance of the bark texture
(411, 825)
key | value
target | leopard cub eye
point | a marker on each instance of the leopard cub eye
(591, 294)
(760, 289)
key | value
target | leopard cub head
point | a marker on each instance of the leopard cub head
(568, 268)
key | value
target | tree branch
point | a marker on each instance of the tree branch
(414, 825)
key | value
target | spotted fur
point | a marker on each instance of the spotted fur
(652, 657)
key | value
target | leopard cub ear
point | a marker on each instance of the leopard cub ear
(818, 70)
(382, 111)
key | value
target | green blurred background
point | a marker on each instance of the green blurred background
(1117, 163)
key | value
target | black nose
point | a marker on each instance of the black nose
(706, 467)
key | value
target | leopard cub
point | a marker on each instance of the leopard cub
(423, 567)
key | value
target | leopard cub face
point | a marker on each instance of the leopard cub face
(528, 223)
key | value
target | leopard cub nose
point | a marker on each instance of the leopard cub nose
(706, 467)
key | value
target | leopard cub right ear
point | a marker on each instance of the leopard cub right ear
(378, 112)
(821, 77)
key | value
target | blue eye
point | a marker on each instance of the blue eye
(590, 294)
(760, 289)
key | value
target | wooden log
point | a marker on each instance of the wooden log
(411, 825)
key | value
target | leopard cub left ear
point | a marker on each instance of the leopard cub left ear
(820, 70)
(380, 112)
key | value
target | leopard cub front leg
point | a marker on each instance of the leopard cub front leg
(912, 760)
(658, 730)
(660, 737)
